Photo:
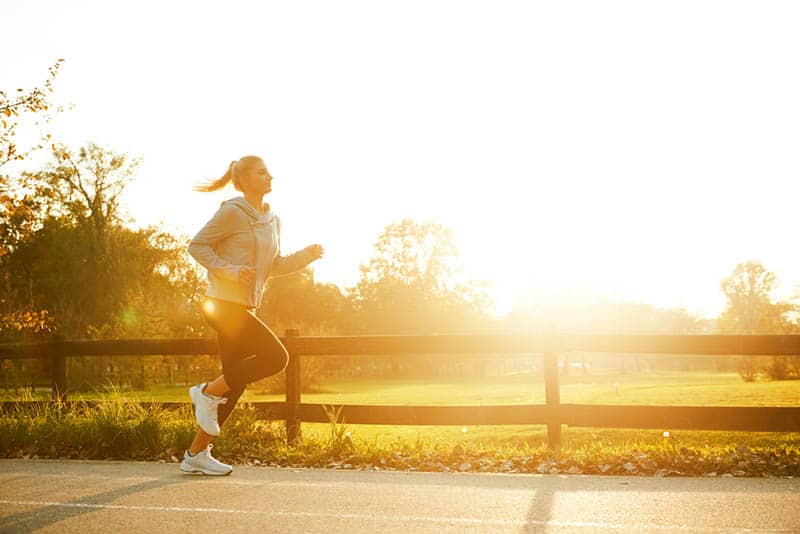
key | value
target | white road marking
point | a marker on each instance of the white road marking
(388, 518)
(215, 481)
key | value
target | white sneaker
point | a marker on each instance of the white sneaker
(205, 409)
(204, 463)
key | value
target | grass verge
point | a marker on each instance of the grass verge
(122, 429)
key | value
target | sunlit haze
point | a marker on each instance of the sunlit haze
(636, 150)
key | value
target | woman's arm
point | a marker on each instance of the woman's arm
(201, 246)
(285, 265)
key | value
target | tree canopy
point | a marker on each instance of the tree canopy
(414, 283)
(750, 308)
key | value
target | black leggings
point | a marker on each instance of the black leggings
(248, 349)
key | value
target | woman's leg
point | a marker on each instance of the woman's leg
(230, 351)
(249, 351)
(265, 356)
(200, 442)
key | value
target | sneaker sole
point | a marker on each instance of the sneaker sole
(195, 471)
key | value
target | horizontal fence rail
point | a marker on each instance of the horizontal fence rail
(731, 418)
(553, 413)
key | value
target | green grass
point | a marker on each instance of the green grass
(706, 389)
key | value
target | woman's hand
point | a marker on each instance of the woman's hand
(316, 251)
(247, 276)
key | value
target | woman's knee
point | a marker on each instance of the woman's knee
(281, 360)
(273, 363)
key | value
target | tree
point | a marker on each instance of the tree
(97, 277)
(85, 184)
(751, 310)
(33, 102)
(19, 209)
(67, 260)
(414, 284)
(20, 201)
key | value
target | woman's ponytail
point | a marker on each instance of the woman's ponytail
(221, 182)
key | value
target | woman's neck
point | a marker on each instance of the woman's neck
(255, 201)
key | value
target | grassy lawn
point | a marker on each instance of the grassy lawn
(663, 388)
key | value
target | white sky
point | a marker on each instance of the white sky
(637, 149)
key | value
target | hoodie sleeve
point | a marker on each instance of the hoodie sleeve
(285, 265)
(201, 247)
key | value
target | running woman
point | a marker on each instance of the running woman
(240, 248)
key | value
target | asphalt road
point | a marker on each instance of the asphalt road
(97, 496)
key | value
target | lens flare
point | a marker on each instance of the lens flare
(208, 306)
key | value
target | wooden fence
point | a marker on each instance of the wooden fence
(553, 413)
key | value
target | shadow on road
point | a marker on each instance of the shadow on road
(541, 510)
(49, 515)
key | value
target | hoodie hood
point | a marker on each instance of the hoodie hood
(265, 216)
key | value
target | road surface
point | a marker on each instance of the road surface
(105, 496)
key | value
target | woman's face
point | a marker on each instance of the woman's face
(256, 178)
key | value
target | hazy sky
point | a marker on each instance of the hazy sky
(637, 149)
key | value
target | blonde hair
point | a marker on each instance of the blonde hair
(233, 174)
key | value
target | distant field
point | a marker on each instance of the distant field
(663, 388)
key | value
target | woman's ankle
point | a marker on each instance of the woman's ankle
(214, 389)
(205, 391)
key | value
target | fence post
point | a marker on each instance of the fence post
(59, 369)
(552, 393)
(292, 391)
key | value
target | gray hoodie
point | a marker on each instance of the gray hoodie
(237, 236)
